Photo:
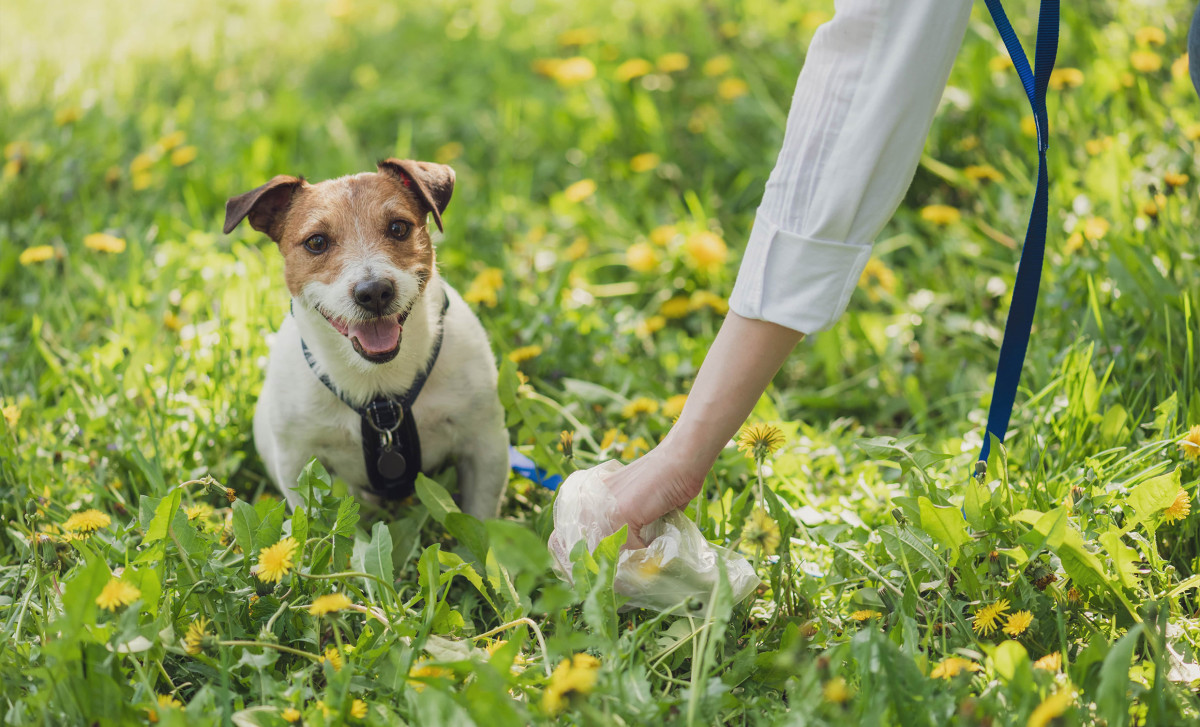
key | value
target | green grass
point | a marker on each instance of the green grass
(131, 377)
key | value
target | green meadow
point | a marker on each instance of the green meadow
(609, 160)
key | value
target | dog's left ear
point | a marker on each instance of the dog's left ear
(434, 183)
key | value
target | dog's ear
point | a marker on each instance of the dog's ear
(434, 183)
(263, 205)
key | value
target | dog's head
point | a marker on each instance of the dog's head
(357, 248)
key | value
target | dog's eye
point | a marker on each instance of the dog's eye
(316, 244)
(399, 229)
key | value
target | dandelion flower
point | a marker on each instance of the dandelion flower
(358, 709)
(329, 603)
(574, 677)
(1096, 146)
(1018, 623)
(165, 701)
(194, 639)
(708, 299)
(640, 405)
(706, 250)
(524, 353)
(141, 163)
(36, 254)
(637, 447)
(650, 326)
(633, 68)
(171, 140)
(1054, 707)
(291, 714)
(1049, 662)
(484, 287)
(424, 671)
(579, 191)
(673, 406)
(1180, 508)
(1191, 132)
(568, 72)
(671, 62)
(999, 63)
(1175, 179)
(759, 440)
(334, 657)
(940, 214)
(835, 691)
(184, 155)
(87, 521)
(983, 173)
(645, 162)
(1190, 444)
(104, 242)
(987, 617)
(117, 593)
(761, 531)
(663, 234)
(277, 561)
(864, 614)
(677, 307)
(566, 443)
(68, 115)
(951, 667)
(1095, 228)
(641, 257)
(875, 277)
(1029, 126)
(718, 65)
(448, 152)
(12, 414)
(1061, 78)
(201, 511)
(1150, 36)
(578, 36)
(1145, 61)
(732, 88)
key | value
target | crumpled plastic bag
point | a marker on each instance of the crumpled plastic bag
(678, 566)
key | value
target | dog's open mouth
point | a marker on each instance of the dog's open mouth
(377, 340)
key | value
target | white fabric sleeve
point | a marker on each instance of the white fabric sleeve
(863, 106)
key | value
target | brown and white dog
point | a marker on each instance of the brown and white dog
(368, 303)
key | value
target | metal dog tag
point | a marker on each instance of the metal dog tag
(391, 464)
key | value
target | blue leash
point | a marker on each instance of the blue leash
(526, 467)
(1029, 274)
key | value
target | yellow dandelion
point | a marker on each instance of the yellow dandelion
(997, 64)
(1175, 179)
(566, 443)
(706, 250)
(731, 88)
(864, 614)
(579, 191)
(673, 406)
(672, 62)
(117, 593)
(573, 678)
(633, 68)
(1061, 78)
(329, 603)
(718, 65)
(291, 714)
(952, 666)
(1049, 662)
(1150, 208)
(578, 36)
(1190, 444)
(201, 510)
(358, 709)
(165, 701)
(1191, 132)
(334, 657)
(1054, 706)
(141, 180)
(171, 140)
(484, 287)
(640, 405)
(1095, 228)
(612, 437)
(1179, 509)
(1029, 126)
(1145, 61)
(940, 214)
(69, 115)
(448, 152)
(759, 440)
(649, 326)
(708, 299)
(577, 249)
(1150, 36)
(172, 321)
(36, 254)
(194, 639)
(567, 72)
(103, 242)
(676, 307)
(1018, 623)
(1179, 67)
(835, 691)
(277, 561)
(141, 163)
(983, 173)
(524, 353)
(87, 521)
(184, 155)
(1096, 146)
(986, 617)
(12, 414)
(641, 257)
(761, 531)
(875, 277)
(637, 447)
(663, 234)
(423, 671)
(645, 162)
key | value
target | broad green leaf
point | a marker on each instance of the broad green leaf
(469, 532)
(162, 517)
(245, 527)
(1153, 496)
(435, 499)
(146, 580)
(299, 524)
(314, 483)
(945, 525)
(270, 530)
(1124, 558)
(1081, 564)
(1112, 704)
(377, 559)
(976, 504)
(81, 589)
(1011, 662)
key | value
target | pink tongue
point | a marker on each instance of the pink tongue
(377, 336)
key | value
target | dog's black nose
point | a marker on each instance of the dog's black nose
(375, 295)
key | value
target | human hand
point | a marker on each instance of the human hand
(652, 486)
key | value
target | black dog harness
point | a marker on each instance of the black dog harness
(391, 445)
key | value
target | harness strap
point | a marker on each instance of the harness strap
(1029, 273)
(391, 445)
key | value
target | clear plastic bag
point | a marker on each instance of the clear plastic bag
(677, 567)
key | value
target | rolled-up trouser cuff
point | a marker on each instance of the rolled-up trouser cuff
(794, 281)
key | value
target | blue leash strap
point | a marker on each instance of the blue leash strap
(525, 467)
(1029, 274)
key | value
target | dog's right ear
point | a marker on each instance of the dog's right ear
(263, 205)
